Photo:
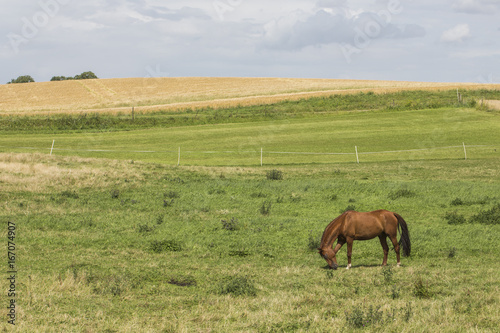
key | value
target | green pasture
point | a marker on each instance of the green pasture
(330, 138)
(127, 241)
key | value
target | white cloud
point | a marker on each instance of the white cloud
(476, 6)
(457, 34)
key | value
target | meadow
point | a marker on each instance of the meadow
(110, 239)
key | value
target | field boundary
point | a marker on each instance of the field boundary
(258, 153)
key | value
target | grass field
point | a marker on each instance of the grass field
(153, 94)
(126, 241)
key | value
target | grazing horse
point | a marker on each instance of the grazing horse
(351, 225)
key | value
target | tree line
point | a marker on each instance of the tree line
(83, 76)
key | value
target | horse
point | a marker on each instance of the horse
(352, 225)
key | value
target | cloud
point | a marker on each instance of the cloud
(325, 27)
(476, 6)
(457, 34)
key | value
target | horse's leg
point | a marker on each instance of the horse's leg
(349, 251)
(385, 247)
(394, 241)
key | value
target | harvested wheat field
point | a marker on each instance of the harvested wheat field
(153, 94)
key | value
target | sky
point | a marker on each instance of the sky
(404, 40)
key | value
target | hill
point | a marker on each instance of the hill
(153, 94)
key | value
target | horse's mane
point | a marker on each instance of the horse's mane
(329, 234)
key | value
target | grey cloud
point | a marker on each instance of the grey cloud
(476, 6)
(326, 28)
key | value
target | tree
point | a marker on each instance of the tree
(22, 79)
(83, 76)
(86, 76)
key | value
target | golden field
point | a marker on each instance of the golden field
(153, 94)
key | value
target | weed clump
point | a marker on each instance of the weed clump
(454, 218)
(402, 193)
(69, 194)
(183, 281)
(490, 216)
(313, 243)
(265, 209)
(238, 286)
(387, 273)
(231, 225)
(421, 290)
(274, 175)
(165, 246)
(457, 202)
(145, 228)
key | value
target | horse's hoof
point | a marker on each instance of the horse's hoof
(334, 267)
(348, 266)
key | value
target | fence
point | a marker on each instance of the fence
(184, 155)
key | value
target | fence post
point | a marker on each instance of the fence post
(465, 151)
(52, 148)
(357, 157)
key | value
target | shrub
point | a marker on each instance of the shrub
(274, 175)
(454, 218)
(491, 216)
(238, 286)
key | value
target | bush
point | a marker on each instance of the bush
(454, 218)
(491, 216)
(238, 286)
(274, 175)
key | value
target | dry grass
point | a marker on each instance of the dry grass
(37, 172)
(493, 104)
(151, 94)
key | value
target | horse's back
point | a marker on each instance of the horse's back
(367, 225)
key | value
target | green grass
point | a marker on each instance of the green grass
(113, 256)
(241, 143)
(107, 245)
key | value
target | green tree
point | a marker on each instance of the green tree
(22, 79)
(86, 76)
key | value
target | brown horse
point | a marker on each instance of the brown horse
(351, 225)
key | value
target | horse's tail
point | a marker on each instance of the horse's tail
(404, 242)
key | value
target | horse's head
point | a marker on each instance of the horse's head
(329, 256)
